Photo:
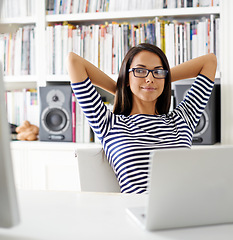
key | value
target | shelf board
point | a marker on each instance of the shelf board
(20, 78)
(57, 78)
(65, 78)
(199, 11)
(53, 146)
(49, 145)
(18, 20)
(185, 81)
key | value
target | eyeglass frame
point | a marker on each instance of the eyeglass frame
(148, 72)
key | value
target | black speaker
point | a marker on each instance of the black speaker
(55, 113)
(207, 131)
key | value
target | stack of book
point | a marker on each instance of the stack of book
(81, 131)
(86, 6)
(17, 8)
(183, 41)
(22, 105)
(17, 51)
(105, 45)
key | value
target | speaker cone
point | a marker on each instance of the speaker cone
(202, 124)
(55, 120)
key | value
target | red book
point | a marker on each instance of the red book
(73, 118)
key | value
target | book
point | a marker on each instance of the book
(18, 51)
(79, 124)
(32, 53)
(49, 49)
(22, 105)
(58, 48)
(73, 118)
(217, 41)
(64, 47)
(105, 45)
(49, 6)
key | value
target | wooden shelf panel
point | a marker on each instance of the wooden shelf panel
(200, 11)
(18, 20)
(65, 78)
(20, 78)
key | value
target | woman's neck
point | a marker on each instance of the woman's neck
(145, 108)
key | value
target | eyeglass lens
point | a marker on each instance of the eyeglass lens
(157, 73)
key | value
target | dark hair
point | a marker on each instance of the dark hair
(123, 97)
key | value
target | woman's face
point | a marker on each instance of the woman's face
(148, 88)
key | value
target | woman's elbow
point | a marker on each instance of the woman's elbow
(71, 58)
(213, 59)
(75, 68)
(210, 66)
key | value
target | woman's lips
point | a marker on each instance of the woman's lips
(148, 88)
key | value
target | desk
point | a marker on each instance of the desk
(80, 216)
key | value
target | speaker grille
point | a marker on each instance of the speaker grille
(208, 128)
(202, 125)
(55, 120)
(55, 113)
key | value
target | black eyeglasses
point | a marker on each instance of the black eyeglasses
(143, 72)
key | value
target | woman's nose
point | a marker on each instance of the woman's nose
(150, 78)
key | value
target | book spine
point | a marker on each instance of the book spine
(73, 118)
(106, 45)
(64, 47)
(79, 124)
(58, 49)
(172, 44)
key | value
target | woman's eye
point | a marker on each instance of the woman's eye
(156, 72)
(159, 71)
(140, 70)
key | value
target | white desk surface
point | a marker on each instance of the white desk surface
(79, 216)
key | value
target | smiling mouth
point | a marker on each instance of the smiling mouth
(148, 88)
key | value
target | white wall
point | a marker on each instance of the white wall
(226, 71)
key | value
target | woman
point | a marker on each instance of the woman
(140, 121)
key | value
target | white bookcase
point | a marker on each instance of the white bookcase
(43, 166)
(40, 165)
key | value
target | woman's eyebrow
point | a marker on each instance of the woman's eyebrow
(141, 65)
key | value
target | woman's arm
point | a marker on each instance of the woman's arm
(79, 69)
(205, 65)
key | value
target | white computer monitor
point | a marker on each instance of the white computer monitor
(9, 212)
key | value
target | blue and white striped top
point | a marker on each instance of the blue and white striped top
(128, 140)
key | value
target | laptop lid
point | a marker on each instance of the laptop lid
(190, 188)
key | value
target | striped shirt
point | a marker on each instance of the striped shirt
(129, 140)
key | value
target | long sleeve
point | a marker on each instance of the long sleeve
(194, 103)
(99, 117)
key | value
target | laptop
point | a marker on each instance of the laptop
(188, 188)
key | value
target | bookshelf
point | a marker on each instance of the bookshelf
(11, 25)
(18, 20)
(138, 14)
(41, 78)
(129, 18)
(41, 20)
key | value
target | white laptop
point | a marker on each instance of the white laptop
(188, 188)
